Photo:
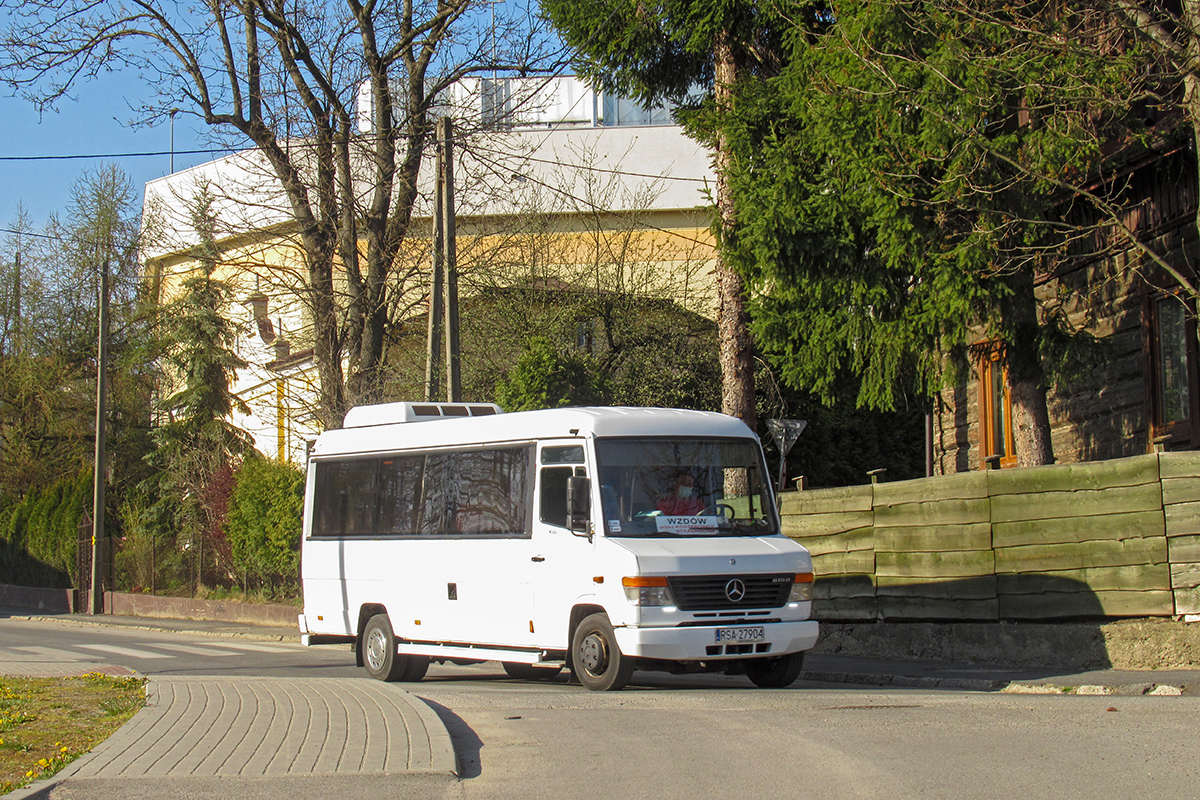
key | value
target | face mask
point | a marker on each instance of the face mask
(685, 492)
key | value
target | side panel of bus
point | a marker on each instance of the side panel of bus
(466, 579)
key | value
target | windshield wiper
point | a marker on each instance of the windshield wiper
(751, 527)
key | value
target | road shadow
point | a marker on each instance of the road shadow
(467, 745)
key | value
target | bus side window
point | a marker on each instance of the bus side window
(345, 498)
(476, 493)
(399, 493)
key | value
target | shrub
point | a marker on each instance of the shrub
(264, 521)
(40, 533)
(545, 378)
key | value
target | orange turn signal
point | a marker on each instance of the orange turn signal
(644, 582)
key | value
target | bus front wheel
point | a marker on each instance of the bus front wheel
(775, 673)
(380, 658)
(595, 658)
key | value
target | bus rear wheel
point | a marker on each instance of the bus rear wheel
(595, 658)
(380, 658)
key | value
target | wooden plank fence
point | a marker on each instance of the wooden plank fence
(1097, 539)
(1181, 510)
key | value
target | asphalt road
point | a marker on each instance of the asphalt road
(807, 742)
(693, 737)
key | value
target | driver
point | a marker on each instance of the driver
(683, 501)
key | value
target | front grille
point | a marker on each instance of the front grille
(702, 592)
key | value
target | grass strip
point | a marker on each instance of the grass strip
(46, 723)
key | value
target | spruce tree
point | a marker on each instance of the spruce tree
(906, 178)
(672, 50)
(199, 447)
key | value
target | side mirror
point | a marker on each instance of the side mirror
(579, 503)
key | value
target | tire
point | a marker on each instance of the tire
(528, 672)
(775, 673)
(380, 658)
(414, 668)
(595, 658)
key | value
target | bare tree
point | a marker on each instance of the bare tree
(286, 78)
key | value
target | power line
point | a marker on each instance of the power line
(82, 156)
(228, 151)
(48, 236)
(55, 237)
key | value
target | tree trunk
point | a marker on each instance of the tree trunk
(733, 321)
(1026, 378)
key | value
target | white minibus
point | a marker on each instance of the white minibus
(600, 540)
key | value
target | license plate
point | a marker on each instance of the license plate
(748, 633)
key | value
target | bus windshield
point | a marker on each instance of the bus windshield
(673, 487)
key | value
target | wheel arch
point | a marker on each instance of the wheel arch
(365, 612)
(578, 612)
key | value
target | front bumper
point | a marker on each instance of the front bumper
(699, 643)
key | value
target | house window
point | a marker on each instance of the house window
(1172, 380)
(995, 409)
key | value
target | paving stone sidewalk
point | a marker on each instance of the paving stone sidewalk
(255, 727)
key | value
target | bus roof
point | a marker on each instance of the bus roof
(523, 426)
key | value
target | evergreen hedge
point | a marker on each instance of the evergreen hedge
(39, 534)
(264, 522)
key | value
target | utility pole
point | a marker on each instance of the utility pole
(443, 293)
(98, 540)
(17, 299)
(433, 341)
(445, 136)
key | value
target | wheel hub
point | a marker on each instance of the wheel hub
(593, 654)
(376, 650)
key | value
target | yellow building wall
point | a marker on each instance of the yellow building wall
(660, 255)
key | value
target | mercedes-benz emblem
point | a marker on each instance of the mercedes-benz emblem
(735, 590)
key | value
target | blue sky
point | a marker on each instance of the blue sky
(95, 122)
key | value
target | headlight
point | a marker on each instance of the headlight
(802, 588)
(647, 591)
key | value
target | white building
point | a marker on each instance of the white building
(550, 146)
